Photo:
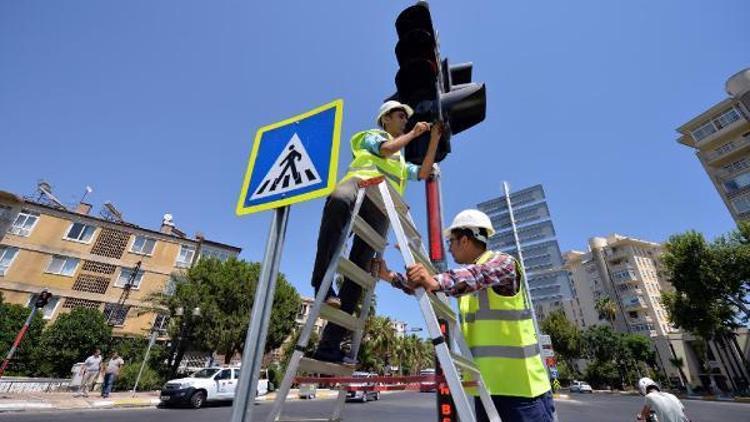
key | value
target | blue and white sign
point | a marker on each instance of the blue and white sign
(293, 160)
(553, 372)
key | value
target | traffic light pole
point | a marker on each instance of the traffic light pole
(17, 341)
(446, 409)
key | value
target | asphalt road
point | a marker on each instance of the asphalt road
(410, 407)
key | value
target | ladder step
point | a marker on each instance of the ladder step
(441, 309)
(368, 234)
(464, 363)
(339, 317)
(312, 366)
(351, 271)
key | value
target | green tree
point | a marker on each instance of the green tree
(566, 337)
(224, 291)
(607, 309)
(71, 338)
(711, 281)
(12, 318)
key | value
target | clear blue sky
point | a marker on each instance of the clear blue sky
(155, 105)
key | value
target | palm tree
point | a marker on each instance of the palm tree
(607, 309)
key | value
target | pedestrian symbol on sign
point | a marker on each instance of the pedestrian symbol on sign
(292, 170)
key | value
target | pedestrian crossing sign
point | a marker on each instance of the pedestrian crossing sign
(293, 160)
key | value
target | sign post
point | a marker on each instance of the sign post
(291, 161)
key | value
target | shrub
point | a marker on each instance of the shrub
(150, 379)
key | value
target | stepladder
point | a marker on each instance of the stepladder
(454, 356)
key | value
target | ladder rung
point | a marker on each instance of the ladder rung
(464, 363)
(339, 317)
(312, 366)
(419, 257)
(374, 195)
(351, 271)
(441, 309)
(368, 234)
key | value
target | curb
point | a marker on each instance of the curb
(23, 406)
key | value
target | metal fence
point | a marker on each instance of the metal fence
(33, 385)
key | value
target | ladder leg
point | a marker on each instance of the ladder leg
(286, 384)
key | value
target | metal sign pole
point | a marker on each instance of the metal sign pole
(527, 293)
(151, 342)
(255, 340)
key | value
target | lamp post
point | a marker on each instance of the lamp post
(180, 312)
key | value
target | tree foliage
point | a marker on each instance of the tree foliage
(72, 338)
(12, 318)
(566, 337)
(606, 308)
(711, 281)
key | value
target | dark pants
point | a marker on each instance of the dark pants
(336, 215)
(109, 382)
(520, 409)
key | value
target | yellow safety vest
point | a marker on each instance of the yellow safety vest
(500, 333)
(367, 165)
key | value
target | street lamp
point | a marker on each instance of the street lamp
(180, 311)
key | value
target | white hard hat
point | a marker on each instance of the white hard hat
(389, 106)
(471, 219)
(644, 383)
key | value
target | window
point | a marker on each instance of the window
(143, 245)
(704, 131)
(225, 374)
(115, 314)
(725, 148)
(7, 255)
(80, 232)
(126, 275)
(160, 322)
(727, 118)
(737, 183)
(48, 309)
(741, 204)
(185, 258)
(62, 265)
(24, 223)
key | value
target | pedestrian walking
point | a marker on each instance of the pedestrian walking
(89, 372)
(111, 372)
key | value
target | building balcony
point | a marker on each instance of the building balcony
(721, 132)
(633, 303)
(716, 155)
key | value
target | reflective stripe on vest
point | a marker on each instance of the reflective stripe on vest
(500, 333)
(367, 165)
(514, 352)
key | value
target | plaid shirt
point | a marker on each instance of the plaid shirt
(499, 273)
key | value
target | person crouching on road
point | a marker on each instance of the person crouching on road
(496, 319)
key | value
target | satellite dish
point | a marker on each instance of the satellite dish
(168, 219)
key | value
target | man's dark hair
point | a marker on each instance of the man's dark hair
(464, 232)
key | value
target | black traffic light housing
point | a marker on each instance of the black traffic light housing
(42, 299)
(435, 90)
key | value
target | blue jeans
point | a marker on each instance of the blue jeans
(520, 409)
(109, 382)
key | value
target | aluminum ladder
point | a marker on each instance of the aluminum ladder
(390, 203)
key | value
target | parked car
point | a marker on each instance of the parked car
(307, 391)
(427, 386)
(364, 394)
(580, 387)
(207, 384)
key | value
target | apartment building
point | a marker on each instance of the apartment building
(87, 260)
(720, 137)
(548, 280)
(628, 271)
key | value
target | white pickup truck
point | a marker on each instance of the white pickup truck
(207, 384)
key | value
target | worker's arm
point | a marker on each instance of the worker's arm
(429, 159)
(394, 145)
(498, 273)
(645, 413)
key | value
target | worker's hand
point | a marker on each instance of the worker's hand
(418, 276)
(420, 128)
(436, 131)
(379, 268)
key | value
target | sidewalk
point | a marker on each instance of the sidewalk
(21, 402)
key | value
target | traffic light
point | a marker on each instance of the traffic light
(435, 90)
(42, 299)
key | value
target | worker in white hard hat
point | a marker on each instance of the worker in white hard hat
(665, 406)
(376, 153)
(496, 319)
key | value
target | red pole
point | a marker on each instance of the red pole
(446, 409)
(17, 341)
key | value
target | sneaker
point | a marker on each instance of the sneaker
(333, 302)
